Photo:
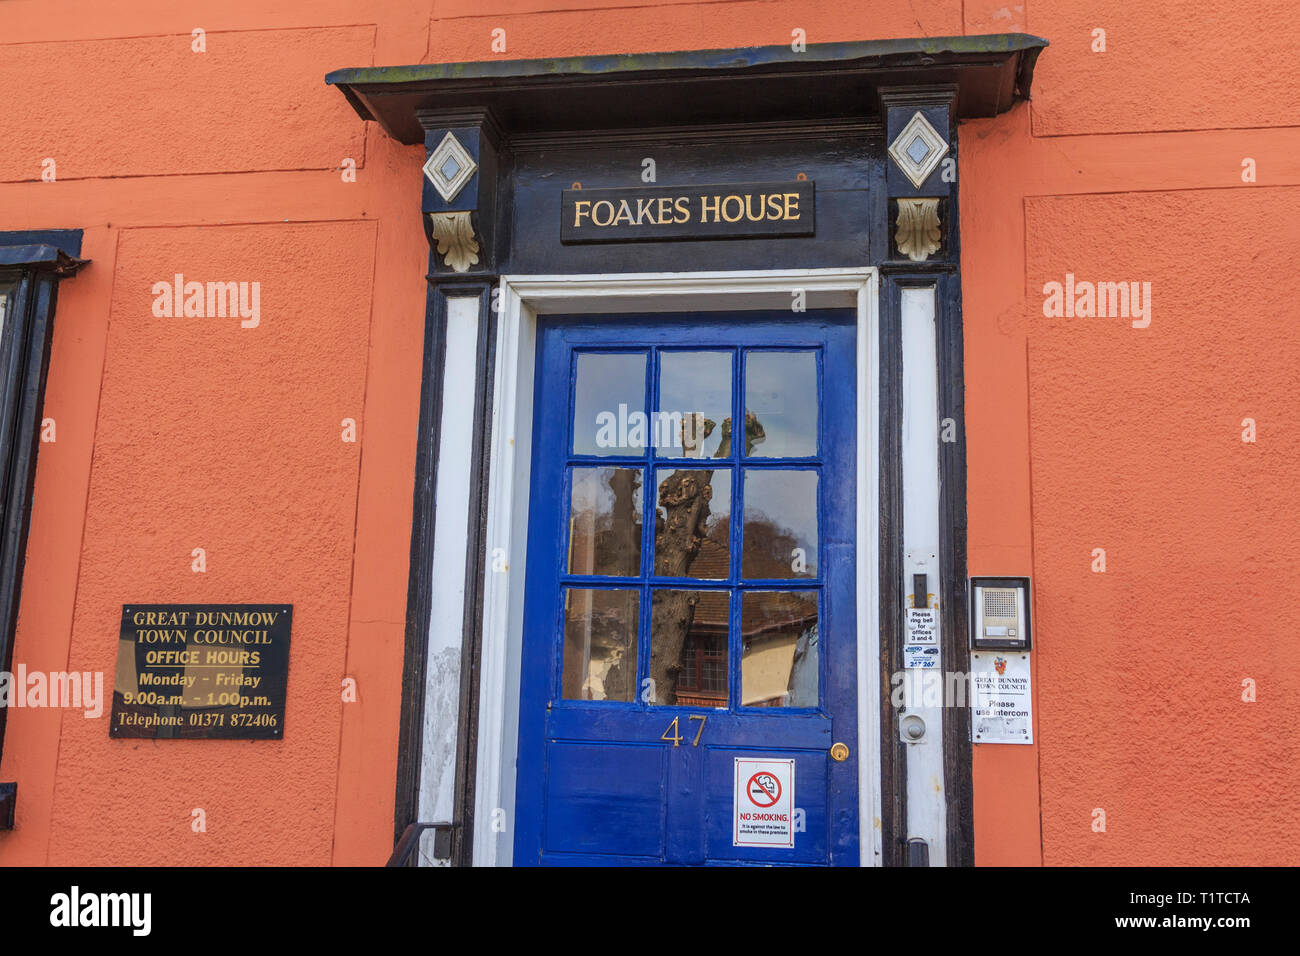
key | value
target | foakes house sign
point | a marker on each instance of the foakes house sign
(738, 211)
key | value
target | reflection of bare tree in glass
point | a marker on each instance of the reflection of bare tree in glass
(680, 527)
(623, 543)
(624, 539)
(769, 547)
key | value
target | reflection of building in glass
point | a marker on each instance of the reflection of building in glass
(702, 680)
(600, 629)
(605, 521)
(778, 633)
(689, 628)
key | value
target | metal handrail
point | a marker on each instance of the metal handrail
(409, 842)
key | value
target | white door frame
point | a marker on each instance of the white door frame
(521, 300)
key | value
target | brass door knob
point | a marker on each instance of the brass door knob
(839, 753)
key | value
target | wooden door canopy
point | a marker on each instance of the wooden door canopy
(826, 81)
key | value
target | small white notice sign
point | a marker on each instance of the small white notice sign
(922, 625)
(1002, 709)
(920, 657)
(764, 803)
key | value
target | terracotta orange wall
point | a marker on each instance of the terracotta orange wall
(176, 434)
(1088, 433)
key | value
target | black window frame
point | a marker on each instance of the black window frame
(31, 266)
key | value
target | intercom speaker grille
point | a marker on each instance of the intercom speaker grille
(1000, 602)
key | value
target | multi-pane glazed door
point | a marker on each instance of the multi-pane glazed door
(688, 686)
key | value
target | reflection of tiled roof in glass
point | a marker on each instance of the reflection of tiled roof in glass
(711, 560)
(781, 610)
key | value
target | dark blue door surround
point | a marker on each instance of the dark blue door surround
(689, 598)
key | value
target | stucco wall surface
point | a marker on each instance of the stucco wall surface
(225, 438)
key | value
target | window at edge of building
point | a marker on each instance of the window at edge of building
(32, 265)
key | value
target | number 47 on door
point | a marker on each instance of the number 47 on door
(673, 732)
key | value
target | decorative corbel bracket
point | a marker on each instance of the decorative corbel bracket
(920, 169)
(461, 170)
(918, 236)
(454, 234)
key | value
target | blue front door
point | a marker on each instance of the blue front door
(689, 685)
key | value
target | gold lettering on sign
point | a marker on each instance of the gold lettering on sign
(754, 208)
(626, 217)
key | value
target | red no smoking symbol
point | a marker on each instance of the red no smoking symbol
(763, 790)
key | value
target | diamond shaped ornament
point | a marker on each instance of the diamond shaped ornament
(449, 168)
(918, 149)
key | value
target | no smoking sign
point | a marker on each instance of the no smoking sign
(763, 803)
(764, 790)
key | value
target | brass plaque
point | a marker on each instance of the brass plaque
(193, 671)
